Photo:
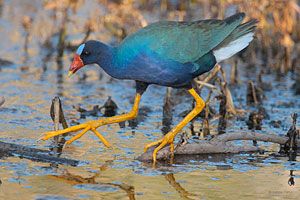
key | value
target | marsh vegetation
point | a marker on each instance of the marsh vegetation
(255, 92)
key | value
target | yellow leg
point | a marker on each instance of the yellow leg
(94, 124)
(169, 137)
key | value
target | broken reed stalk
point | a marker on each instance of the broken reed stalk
(226, 91)
(290, 147)
(167, 111)
(251, 94)
(254, 121)
(27, 24)
(2, 101)
(110, 108)
(56, 112)
(57, 115)
(296, 85)
(222, 112)
(205, 123)
(234, 73)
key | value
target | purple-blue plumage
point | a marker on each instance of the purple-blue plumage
(171, 53)
(163, 53)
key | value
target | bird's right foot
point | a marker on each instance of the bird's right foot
(168, 139)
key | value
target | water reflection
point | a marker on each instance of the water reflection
(85, 182)
(182, 192)
(291, 180)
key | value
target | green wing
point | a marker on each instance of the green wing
(184, 41)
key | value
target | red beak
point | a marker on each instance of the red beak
(76, 65)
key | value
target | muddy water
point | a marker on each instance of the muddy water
(29, 86)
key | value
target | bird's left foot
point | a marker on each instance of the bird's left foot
(88, 126)
(168, 139)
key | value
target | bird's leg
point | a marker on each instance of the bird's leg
(94, 124)
(169, 137)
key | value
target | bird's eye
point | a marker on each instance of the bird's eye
(86, 53)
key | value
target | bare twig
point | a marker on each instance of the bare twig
(210, 76)
(208, 85)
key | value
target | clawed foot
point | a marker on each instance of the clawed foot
(168, 139)
(88, 126)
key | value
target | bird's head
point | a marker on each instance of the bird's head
(86, 54)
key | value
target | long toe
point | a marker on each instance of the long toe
(76, 137)
(162, 145)
(103, 140)
(152, 144)
(60, 132)
(168, 139)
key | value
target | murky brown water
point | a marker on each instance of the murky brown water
(114, 173)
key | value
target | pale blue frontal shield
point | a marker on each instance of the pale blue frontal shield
(80, 49)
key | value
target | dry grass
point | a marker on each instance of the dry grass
(278, 34)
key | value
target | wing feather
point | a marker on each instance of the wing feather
(180, 41)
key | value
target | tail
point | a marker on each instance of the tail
(237, 40)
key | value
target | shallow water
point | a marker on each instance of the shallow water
(114, 173)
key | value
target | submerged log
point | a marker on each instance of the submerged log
(216, 145)
(40, 155)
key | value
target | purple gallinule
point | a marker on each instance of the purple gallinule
(166, 53)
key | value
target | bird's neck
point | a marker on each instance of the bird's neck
(105, 58)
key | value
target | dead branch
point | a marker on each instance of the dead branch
(219, 144)
(251, 136)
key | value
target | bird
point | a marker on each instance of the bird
(165, 53)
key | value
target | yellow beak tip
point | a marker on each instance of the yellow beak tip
(70, 74)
